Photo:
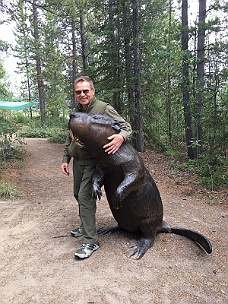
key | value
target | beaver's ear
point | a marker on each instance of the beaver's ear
(116, 126)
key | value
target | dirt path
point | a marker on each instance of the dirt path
(37, 252)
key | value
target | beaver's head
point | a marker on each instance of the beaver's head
(94, 128)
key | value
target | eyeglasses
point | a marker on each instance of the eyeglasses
(82, 91)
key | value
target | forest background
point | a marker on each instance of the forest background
(162, 67)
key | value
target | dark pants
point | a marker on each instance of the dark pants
(83, 172)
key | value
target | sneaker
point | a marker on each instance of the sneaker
(86, 250)
(77, 232)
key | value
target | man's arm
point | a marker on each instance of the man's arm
(66, 157)
(116, 140)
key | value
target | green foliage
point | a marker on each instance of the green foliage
(54, 134)
(37, 132)
(213, 170)
(56, 106)
(7, 191)
(7, 126)
(55, 129)
(19, 117)
(11, 145)
(59, 136)
(177, 181)
(5, 93)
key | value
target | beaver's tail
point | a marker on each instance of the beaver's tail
(190, 234)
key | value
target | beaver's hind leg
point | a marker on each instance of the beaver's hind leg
(139, 248)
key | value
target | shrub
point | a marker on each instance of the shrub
(53, 129)
(213, 170)
(7, 191)
(11, 145)
(20, 117)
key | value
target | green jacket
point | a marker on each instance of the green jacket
(95, 107)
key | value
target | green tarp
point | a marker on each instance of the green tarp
(7, 105)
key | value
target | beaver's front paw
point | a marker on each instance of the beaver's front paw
(96, 192)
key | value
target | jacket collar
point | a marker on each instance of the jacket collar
(90, 105)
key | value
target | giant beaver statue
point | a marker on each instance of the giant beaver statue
(131, 192)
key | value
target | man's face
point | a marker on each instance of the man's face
(83, 92)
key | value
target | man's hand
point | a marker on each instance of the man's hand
(116, 141)
(65, 169)
(71, 134)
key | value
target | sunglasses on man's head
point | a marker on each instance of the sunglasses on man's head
(82, 91)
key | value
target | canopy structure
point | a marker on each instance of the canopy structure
(21, 105)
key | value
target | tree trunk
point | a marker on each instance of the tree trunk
(200, 72)
(186, 98)
(74, 58)
(128, 61)
(137, 90)
(215, 115)
(114, 58)
(84, 45)
(38, 63)
(29, 93)
(168, 98)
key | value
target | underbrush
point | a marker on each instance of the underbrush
(12, 145)
(12, 156)
(54, 130)
(7, 191)
(211, 169)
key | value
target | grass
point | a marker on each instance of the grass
(7, 191)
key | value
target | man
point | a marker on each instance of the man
(84, 165)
